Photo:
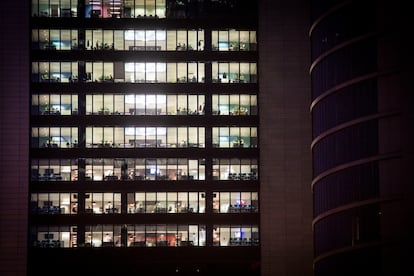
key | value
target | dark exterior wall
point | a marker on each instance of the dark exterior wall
(14, 125)
(395, 59)
(285, 136)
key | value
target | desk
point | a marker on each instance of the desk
(146, 145)
(160, 210)
(111, 177)
(238, 145)
(50, 47)
(111, 211)
(162, 243)
(103, 112)
(144, 48)
(66, 12)
(242, 176)
(51, 112)
(185, 210)
(142, 143)
(49, 243)
(162, 177)
(43, 79)
(138, 244)
(185, 177)
(49, 210)
(143, 111)
(186, 243)
(138, 210)
(51, 145)
(50, 177)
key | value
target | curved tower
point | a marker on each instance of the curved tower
(359, 139)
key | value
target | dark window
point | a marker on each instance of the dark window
(349, 144)
(350, 185)
(349, 22)
(344, 65)
(347, 104)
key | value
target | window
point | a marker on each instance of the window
(54, 170)
(144, 169)
(235, 235)
(234, 72)
(60, 72)
(234, 104)
(54, 137)
(145, 137)
(54, 203)
(54, 104)
(166, 202)
(103, 203)
(54, 39)
(235, 137)
(235, 169)
(233, 40)
(106, 235)
(53, 8)
(151, 235)
(235, 202)
(49, 236)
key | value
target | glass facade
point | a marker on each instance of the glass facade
(144, 132)
(353, 129)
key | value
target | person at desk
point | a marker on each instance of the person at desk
(107, 238)
(109, 208)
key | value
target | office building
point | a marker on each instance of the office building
(176, 137)
(144, 137)
(144, 125)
